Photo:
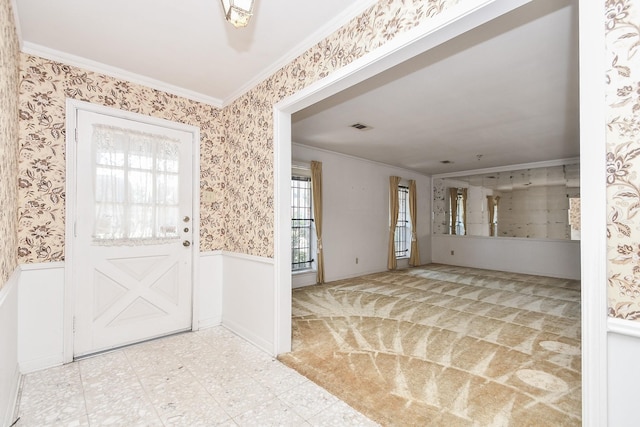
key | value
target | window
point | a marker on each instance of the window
(460, 226)
(403, 227)
(301, 223)
(136, 179)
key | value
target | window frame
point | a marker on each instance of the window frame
(402, 233)
(298, 266)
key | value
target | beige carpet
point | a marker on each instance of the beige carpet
(444, 346)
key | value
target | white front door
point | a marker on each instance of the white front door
(132, 266)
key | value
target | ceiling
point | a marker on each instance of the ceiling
(505, 93)
(184, 46)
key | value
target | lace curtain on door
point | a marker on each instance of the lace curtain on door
(136, 187)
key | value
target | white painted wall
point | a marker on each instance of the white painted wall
(40, 316)
(356, 212)
(299, 280)
(248, 296)
(210, 289)
(555, 258)
(9, 371)
(623, 354)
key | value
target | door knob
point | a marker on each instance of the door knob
(186, 243)
(186, 219)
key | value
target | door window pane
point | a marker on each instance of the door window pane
(136, 187)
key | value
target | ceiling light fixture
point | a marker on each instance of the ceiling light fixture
(360, 126)
(238, 12)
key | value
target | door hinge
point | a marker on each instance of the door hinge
(75, 228)
(76, 134)
(74, 324)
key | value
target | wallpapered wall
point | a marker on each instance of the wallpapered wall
(44, 87)
(237, 157)
(623, 157)
(9, 60)
(249, 120)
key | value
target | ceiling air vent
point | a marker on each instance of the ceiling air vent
(360, 126)
(446, 162)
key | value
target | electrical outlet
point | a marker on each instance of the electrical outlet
(452, 252)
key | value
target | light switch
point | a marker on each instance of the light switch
(208, 196)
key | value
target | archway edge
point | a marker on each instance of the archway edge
(447, 25)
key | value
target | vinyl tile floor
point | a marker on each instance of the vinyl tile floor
(206, 378)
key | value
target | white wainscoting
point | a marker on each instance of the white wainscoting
(210, 290)
(624, 375)
(41, 304)
(9, 369)
(554, 258)
(300, 280)
(235, 290)
(248, 297)
(40, 316)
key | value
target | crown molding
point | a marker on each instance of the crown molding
(326, 30)
(119, 73)
(507, 168)
(356, 158)
(323, 32)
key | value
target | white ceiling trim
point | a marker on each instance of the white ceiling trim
(360, 159)
(119, 73)
(507, 168)
(323, 32)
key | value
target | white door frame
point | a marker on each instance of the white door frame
(72, 107)
(450, 23)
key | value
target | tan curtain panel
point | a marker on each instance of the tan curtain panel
(491, 211)
(464, 209)
(316, 189)
(392, 263)
(496, 203)
(453, 202)
(413, 212)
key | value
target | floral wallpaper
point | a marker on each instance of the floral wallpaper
(623, 157)
(44, 86)
(9, 62)
(237, 143)
(248, 121)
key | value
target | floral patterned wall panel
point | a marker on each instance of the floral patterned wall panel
(623, 157)
(249, 120)
(44, 87)
(9, 63)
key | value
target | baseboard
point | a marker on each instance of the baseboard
(361, 273)
(29, 366)
(210, 323)
(248, 336)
